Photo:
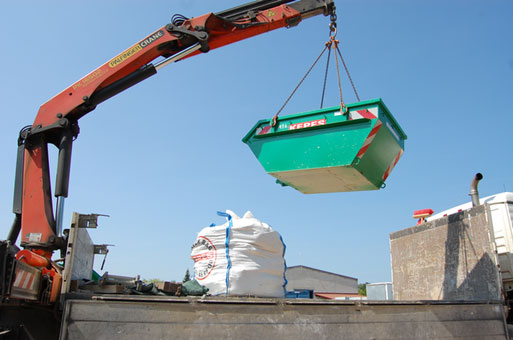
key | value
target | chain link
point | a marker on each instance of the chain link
(332, 43)
(348, 75)
(273, 123)
(333, 25)
(328, 44)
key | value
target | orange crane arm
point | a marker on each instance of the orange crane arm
(57, 120)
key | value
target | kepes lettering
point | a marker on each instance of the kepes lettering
(303, 125)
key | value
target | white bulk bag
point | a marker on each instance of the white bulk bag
(241, 257)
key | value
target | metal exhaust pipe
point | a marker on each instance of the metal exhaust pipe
(473, 189)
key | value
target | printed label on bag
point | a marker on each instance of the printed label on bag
(204, 254)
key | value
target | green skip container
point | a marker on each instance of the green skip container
(327, 151)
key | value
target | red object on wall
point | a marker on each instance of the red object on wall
(422, 214)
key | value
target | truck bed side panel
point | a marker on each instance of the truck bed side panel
(161, 318)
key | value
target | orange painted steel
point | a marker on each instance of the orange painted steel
(33, 259)
(38, 221)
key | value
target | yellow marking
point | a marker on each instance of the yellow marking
(270, 13)
(125, 55)
(89, 78)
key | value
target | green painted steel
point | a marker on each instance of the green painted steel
(329, 151)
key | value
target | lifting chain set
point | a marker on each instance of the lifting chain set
(332, 43)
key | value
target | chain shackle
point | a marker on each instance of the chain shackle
(333, 17)
(333, 29)
(333, 24)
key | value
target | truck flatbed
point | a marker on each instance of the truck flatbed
(160, 317)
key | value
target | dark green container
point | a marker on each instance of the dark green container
(327, 151)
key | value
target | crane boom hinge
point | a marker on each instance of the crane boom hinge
(199, 34)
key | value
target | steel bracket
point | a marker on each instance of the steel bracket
(86, 220)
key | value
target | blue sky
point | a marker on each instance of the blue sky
(164, 156)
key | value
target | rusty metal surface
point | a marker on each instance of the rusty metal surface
(452, 258)
(224, 318)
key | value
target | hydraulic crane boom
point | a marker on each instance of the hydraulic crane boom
(57, 120)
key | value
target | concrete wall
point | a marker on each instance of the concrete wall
(301, 277)
(452, 258)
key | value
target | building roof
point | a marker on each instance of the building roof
(336, 295)
(378, 283)
(322, 271)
